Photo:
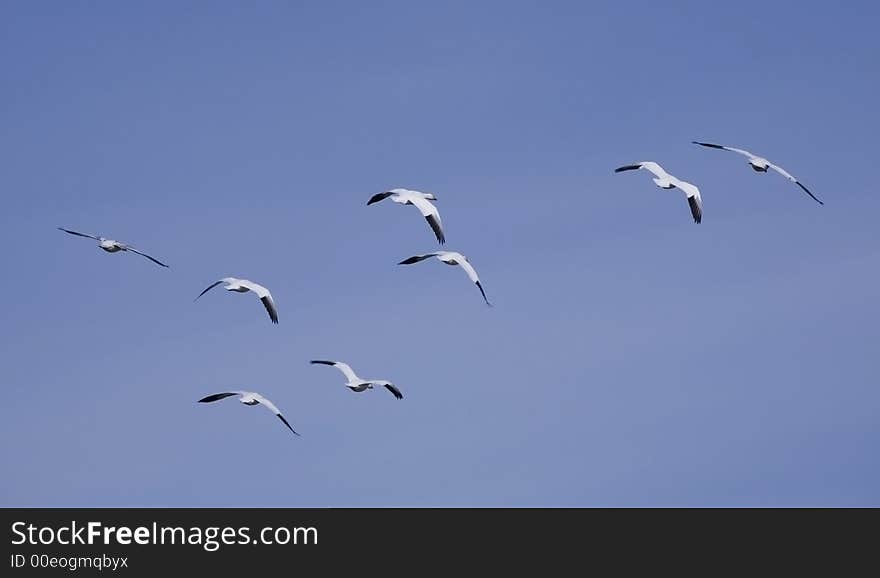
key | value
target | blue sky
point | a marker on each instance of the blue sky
(632, 358)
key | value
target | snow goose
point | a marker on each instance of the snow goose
(421, 202)
(249, 398)
(112, 246)
(666, 181)
(451, 258)
(760, 164)
(355, 383)
(243, 286)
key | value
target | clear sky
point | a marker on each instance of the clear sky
(632, 358)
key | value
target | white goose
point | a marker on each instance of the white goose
(761, 165)
(355, 383)
(451, 258)
(666, 181)
(112, 246)
(243, 286)
(249, 398)
(420, 200)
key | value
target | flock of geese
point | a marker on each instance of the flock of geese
(666, 181)
(422, 201)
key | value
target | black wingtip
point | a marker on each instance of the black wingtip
(480, 287)
(270, 308)
(379, 197)
(626, 168)
(215, 397)
(394, 391)
(707, 144)
(806, 190)
(281, 417)
(321, 362)
(696, 210)
(438, 230)
(410, 260)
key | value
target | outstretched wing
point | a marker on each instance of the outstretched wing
(218, 396)
(731, 149)
(208, 288)
(417, 258)
(469, 269)
(379, 197)
(133, 250)
(785, 174)
(655, 169)
(255, 287)
(696, 205)
(79, 234)
(695, 202)
(271, 407)
(393, 389)
(472, 275)
(343, 367)
(806, 190)
(649, 166)
(281, 417)
(269, 304)
(265, 297)
(432, 215)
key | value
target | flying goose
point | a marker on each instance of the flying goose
(112, 246)
(666, 181)
(249, 398)
(355, 383)
(761, 165)
(420, 200)
(243, 286)
(451, 258)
